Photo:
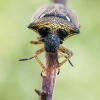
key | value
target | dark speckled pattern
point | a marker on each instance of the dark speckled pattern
(51, 43)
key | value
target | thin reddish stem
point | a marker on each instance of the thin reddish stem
(60, 1)
(49, 76)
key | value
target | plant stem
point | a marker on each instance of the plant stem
(60, 1)
(49, 76)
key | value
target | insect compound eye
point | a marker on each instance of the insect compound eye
(43, 31)
(62, 33)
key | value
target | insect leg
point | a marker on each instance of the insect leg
(68, 55)
(38, 60)
(36, 54)
(38, 43)
(65, 51)
(62, 55)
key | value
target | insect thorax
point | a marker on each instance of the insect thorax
(53, 23)
(55, 17)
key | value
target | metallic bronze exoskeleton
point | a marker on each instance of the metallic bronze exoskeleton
(54, 23)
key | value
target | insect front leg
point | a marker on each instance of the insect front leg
(38, 43)
(35, 56)
(62, 50)
(66, 53)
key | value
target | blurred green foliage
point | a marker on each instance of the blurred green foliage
(19, 79)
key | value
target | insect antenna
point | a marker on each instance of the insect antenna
(24, 59)
(70, 63)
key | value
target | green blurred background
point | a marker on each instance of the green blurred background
(19, 79)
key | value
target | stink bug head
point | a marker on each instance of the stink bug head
(51, 43)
